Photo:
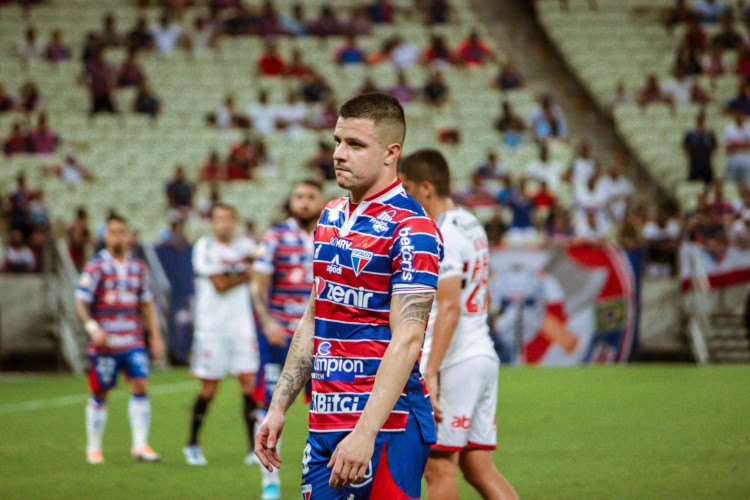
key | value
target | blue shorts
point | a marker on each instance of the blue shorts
(395, 471)
(103, 368)
(272, 360)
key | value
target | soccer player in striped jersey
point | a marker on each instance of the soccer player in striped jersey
(459, 362)
(280, 289)
(112, 294)
(376, 262)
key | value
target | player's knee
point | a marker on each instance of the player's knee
(440, 468)
(100, 396)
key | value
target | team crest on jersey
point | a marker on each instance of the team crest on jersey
(306, 491)
(360, 259)
(380, 223)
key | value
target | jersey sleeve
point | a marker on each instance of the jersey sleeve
(205, 262)
(416, 253)
(265, 256)
(145, 294)
(88, 282)
(452, 264)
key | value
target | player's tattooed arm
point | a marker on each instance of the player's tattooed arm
(298, 365)
(413, 308)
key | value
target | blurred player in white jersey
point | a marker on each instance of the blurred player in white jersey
(225, 340)
(459, 362)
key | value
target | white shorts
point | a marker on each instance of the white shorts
(215, 356)
(468, 398)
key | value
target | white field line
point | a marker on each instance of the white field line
(76, 399)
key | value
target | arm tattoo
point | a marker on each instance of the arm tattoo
(298, 365)
(415, 307)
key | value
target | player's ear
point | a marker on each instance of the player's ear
(392, 153)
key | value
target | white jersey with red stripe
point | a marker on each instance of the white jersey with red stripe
(466, 257)
(364, 255)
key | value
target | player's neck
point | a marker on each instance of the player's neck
(439, 206)
(118, 255)
(356, 196)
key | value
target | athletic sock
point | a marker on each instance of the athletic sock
(139, 410)
(96, 419)
(200, 408)
(249, 409)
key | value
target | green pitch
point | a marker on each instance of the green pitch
(640, 432)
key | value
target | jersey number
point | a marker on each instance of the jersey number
(478, 300)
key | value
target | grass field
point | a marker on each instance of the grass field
(640, 432)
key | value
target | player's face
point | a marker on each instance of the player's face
(116, 237)
(305, 203)
(223, 223)
(359, 158)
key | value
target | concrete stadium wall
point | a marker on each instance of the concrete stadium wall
(22, 314)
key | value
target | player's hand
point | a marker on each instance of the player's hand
(275, 333)
(96, 333)
(433, 387)
(157, 346)
(266, 438)
(350, 459)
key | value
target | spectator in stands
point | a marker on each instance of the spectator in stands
(651, 93)
(506, 190)
(242, 21)
(166, 35)
(743, 61)
(71, 172)
(180, 193)
(728, 38)
(42, 140)
(108, 36)
(715, 62)
(679, 13)
(292, 116)
(404, 54)
(227, 116)
(618, 190)
(694, 37)
(327, 115)
(359, 23)
(591, 197)
(739, 231)
(438, 53)
(314, 88)
(368, 86)
(29, 48)
(16, 142)
(582, 166)
(402, 91)
(295, 25)
(437, 12)
(700, 147)
(473, 51)
(270, 63)
(90, 47)
(18, 256)
(381, 12)
(174, 237)
(130, 73)
(29, 98)
(737, 143)
(619, 98)
(321, 163)
(661, 236)
(206, 204)
(146, 103)
(262, 114)
(80, 240)
(710, 11)
(56, 50)
(100, 84)
(435, 90)
(203, 35)
(327, 24)
(213, 169)
(7, 103)
(297, 68)
(491, 168)
(508, 78)
(591, 229)
(140, 38)
(475, 195)
(495, 229)
(557, 229)
(522, 206)
(268, 20)
(688, 60)
(543, 198)
(243, 158)
(679, 87)
(350, 52)
(741, 101)
(548, 121)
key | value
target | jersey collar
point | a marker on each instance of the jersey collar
(379, 197)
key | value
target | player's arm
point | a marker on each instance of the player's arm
(295, 374)
(224, 282)
(448, 312)
(94, 330)
(156, 341)
(409, 312)
(259, 288)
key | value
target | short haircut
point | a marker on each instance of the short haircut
(382, 109)
(428, 165)
(224, 206)
(309, 182)
(114, 217)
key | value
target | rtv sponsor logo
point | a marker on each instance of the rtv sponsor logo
(336, 369)
(407, 253)
(348, 296)
(334, 403)
(340, 243)
(380, 223)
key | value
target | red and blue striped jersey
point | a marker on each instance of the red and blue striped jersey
(115, 291)
(387, 245)
(286, 253)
